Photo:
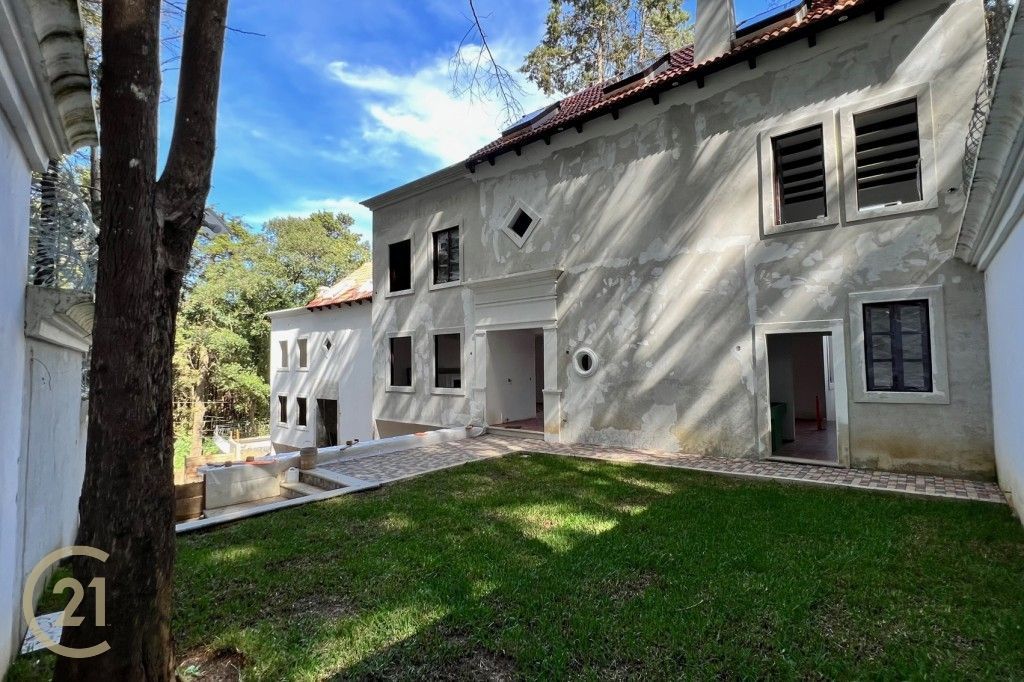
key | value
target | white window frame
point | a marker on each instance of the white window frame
(833, 188)
(282, 360)
(431, 284)
(926, 136)
(939, 394)
(298, 353)
(389, 387)
(434, 389)
(298, 426)
(411, 238)
(282, 422)
(506, 223)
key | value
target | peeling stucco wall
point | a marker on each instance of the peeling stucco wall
(655, 221)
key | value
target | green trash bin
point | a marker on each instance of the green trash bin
(778, 415)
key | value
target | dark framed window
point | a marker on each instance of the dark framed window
(301, 420)
(282, 409)
(448, 360)
(446, 256)
(401, 361)
(897, 347)
(799, 176)
(400, 266)
(888, 155)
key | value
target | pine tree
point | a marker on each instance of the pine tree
(589, 41)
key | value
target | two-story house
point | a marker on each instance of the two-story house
(746, 249)
(320, 359)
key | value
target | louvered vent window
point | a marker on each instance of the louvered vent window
(888, 155)
(799, 176)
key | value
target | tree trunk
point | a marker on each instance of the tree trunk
(148, 226)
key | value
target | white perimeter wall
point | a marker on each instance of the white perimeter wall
(1004, 286)
(15, 180)
(343, 373)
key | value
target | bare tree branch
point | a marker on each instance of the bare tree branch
(477, 74)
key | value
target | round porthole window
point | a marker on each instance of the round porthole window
(584, 361)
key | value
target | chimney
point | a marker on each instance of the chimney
(714, 29)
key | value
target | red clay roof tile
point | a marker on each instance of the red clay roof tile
(591, 102)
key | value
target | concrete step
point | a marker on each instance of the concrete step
(515, 433)
(293, 490)
(323, 479)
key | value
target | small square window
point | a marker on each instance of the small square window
(303, 345)
(401, 361)
(301, 403)
(284, 354)
(800, 185)
(282, 409)
(446, 256)
(521, 224)
(888, 160)
(448, 361)
(898, 346)
(400, 266)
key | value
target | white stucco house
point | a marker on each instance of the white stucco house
(992, 239)
(45, 111)
(745, 249)
(320, 367)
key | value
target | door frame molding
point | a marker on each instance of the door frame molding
(839, 371)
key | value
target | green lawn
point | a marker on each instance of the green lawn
(540, 566)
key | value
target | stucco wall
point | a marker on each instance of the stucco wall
(342, 373)
(1004, 282)
(655, 220)
(15, 181)
(55, 461)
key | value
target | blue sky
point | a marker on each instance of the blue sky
(343, 100)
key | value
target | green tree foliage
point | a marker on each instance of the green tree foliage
(589, 41)
(223, 336)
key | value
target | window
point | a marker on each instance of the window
(284, 354)
(584, 361)
(799, 174)
(303, 345)
(400, 266)
(282, 409)
(897, 346)
(888, 156)
(521, 224)
(301, 402)
(401, 361)
(448, 361)
(446, 256)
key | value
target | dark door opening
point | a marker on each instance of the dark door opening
(802, 396)
(326, 423)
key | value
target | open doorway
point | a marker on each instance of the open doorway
(801, 387)
(326, 423)
(515, 379)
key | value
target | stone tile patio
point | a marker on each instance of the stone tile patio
(397, 466)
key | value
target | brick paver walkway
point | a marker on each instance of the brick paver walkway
(399, 465)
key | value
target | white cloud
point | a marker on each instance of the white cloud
(419, 110)
(303, 207)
